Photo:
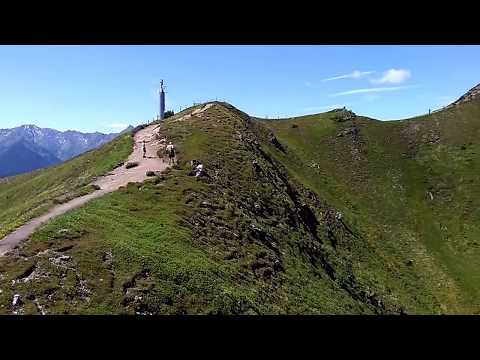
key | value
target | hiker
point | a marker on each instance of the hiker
(171, 153)
(144, 150)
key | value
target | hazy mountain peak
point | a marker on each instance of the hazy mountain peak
(127, 129)
(49, 146)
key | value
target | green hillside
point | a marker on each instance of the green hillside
(29, 195)
(409, 187)
(329, 213)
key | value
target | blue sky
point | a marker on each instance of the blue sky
(103, 88)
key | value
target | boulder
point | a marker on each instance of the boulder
(276, 143)
(17, 301)
(206, 204)
(200, 171)
(256, 166)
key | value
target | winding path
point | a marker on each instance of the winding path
(110, 182)
(119, 177)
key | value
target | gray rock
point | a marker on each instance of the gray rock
(206, 204)
(352, 130)
(256, 166)
(16, 300)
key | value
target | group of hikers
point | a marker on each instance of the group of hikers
(169, 150)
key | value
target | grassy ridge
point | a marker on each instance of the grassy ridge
(26, 196)
(384, 179)
(261, 233)
(178, 244)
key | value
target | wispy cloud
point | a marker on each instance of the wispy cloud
(353, 75)
(324, 107)
(373, 90)
(393, 76)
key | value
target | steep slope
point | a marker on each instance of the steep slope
(45, 147)
(410, 187)
(472, 94)
(329, 213)
(245, 239)
(23, 157)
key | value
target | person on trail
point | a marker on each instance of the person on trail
(144, 150)
(171, 153)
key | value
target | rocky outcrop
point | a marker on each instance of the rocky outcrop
(342, 115)
(472, 94)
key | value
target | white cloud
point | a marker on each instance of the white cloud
(353, 75)
(393, 76)
(372, 90)
(118, 126)
(325, 107)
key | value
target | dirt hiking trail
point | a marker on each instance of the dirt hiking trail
(110, 182)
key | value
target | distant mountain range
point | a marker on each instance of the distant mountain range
(28, 147)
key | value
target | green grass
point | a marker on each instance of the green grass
(384, 194)
(32, 194)
(177, 244)
(199, 259)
